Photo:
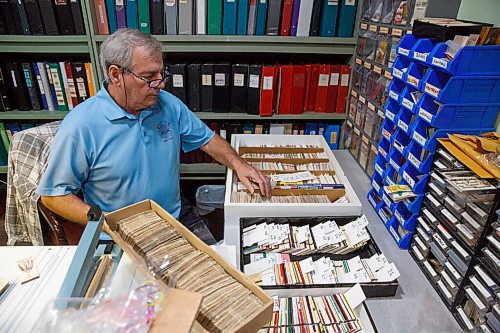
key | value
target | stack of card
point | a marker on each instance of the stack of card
(283, 166)
(246, 197)
(172, 259)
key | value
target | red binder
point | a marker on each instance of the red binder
(322, 88)
(345, 72)
(298, 89)
(267, 91)
(285, 89)
(313, 85)
(331, 99)
(286, 17)
(307, 87)
(101, 17)
(71, 84)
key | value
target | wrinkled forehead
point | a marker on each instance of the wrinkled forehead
(146, 59)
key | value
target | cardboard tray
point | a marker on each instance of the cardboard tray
(260, 317)
(372, 289)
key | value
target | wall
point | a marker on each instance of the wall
(480, 10)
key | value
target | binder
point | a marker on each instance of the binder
(57, 81)
(304, 21)
(273, 17)
(201, 17)
(131, 13)
(305, 104)
(20, 17)
(178, 72)
(345, 72)
(347, 16)
(48, 17)
(285, 86)
(121, 19)
(298, 89)
(10, 25)
(81, 81)
(222, 88)
(329, 18)
(64, 17)
(260, 27)
(253, 92)
(313, 85)
(17, 86)
(34, 17)
(65, 85)
(239, 88)
(76, 13)
(267, 91)
(156, 18)
(3, 27)
(286, 17)
(295, 17)
(322, 88)
(242, 20)
(332, 135)
(252, 17)
(229, 19)
(5, 102)
(90, 78)
(73, 95)
(51, 86)
(214, 17)
(331, 99)
(43, 84)
(171, 17)
(315, 18)
(102, 17)
(186, 17)
(143, 16)
(206, 88)
(31, 85)
(193, 89)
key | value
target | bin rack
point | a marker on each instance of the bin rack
(457, 115)
(447, 88)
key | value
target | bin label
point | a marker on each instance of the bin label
(398, 146)
(386, 134)
(439, 62)
(420, 56)
(393, 95)
(403, 126)
(389, 114)
(397, 73)
(413, 80)
(425, 115)
(408, 103)
(414, 160)
(420, 139)
(372, 201)
(408, 179)
(399, 217)
(386, 200)
(402, 51)
(379, 169)
(375, 185)
(434, 91)
(394, 164)
(395, 234)
(382, 152)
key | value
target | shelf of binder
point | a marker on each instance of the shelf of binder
(44, 44)
(33, 115)
(244, 116)
(254, 44)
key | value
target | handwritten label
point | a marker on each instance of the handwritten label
(420, 139)
(253, 81)
(382, 152)
(384, 30)
(354, 93)
(359, 61)
(362, 99)
(394, 164)
(398, 146)
(377, 69)
(399, 217)
(371, 106)
(408, 179)
(413, 160)
(372, 201)
(408, 103)
(378, 168)
(220, 79)
(376, 186)
(357, 131)
(386, 134)
(397, 73)
(397, 32)
(267, 83)
(334, 79)
(440, 62)
(434, 91)
(393, 95)
(420, 56)
(381, 114)
(403, 126)
(425, 115)
(413, 81)
(293, 177)
(373, 28)
(395, 234)
(367, 65)
(364, 26)
(238, 80)
(386, 200)
(402, 51)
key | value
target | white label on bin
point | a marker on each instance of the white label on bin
(379, 169)
(408, 179)
(399, 217)
(420, 139)
(386, 200)
(402, 51)
(397, 73)
(412, 80)
(425, 115)
(376, 186)
(394, 164)
(407, 103)
(393, 95)
(399, 146)
(420, 56)
(395, 234)
(417, 252)
(386, 134)
(372, 201)
(413, 160)
(439, 62)
(429, 88)
(371, 106)
(389, 114)
(403, 126)
(362, 99)
(382, 152)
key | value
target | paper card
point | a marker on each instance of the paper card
(387, 273)
(254, 257)
(355, 296)
(259, 266)
(303, 234)
(320, 265)
(276, 304)
(261, 234)
(268, 278)
(355, 264)
(28, 270)
(306, 265)
(293, 177)
(375, 263)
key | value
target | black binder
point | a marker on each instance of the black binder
(76, 13)
(81, 82)
(9, 19)
(222, 88)
(206, 88)
(20, 17)
(178, 79)
(156, 10)
(193, 83)
(64, 17)
(5, 102)
(48, 17)
(32, 86)
(17, 86)
(34, 17)
(239, 88)
(3, 27)
(273, 17)
(315, 18)
(254, 73)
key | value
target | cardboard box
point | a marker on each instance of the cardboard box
(260, 317)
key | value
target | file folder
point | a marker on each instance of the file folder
(76, 13)
(193, 87)
(345, 72)
(64, 17)
(331, 100)
(10, 25)
(31, 84)
(242, 20)
(17, 86)
(273, 17)
(332, 135)
(347, 16)
(313, 86)
(315, 18)
(267, 93)
(260, 28)
(285, 86)
(48, 17)
(295, 17)
(131, 11)
(20, 17)
(178, 72)
(253, 97)
(322, 88)
(201, 17)
(156, 18)
(102, 17)
(329, 18)
(214, 17)
(171, 17)
(41, 86)
(111, 14)
(304, 21)
(229, 20)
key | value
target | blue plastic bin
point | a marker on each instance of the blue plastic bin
(405, 45)
(384, 212)
(469, 60)
(384, 147)
(400, 140)
(415, 74)
(374, 199)
(457, 116)
(390, 176)
(405, 218)
(395, 89)
(461, 89)
(387, 129)
(414, 154)
(391, 109)
(377, 182)
(396, 159)
(380, 164)
(400, 67)
(387, 200)
(415, 179)
(406, 119)
(422, 49)
(407, 99)
(402, 241)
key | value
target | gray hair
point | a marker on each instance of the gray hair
(117, 48)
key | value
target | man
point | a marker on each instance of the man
(122, 145)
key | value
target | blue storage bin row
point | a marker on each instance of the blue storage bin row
(469, 60)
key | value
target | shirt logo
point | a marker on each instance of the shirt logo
(165, 130)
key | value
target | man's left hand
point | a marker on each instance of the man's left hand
(248, 174)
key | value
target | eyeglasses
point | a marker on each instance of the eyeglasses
(155, 83)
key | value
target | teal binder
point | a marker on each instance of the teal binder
(143, 16)
(242, 21)
(229, 19)
(261, 17)
(347, 16)
(214, 17)
(110, 10)
(329, 18)
(132, 14)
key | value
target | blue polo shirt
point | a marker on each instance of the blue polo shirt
(119, 159)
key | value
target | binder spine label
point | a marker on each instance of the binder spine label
(253, 81)
(206, 80)
(177, 81)
(239, 80)
(268, 82)
(220, 79)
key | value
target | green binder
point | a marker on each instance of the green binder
(57, 80)
(143, 9)
(6, 143)
(215, 17)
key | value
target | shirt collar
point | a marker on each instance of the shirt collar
(113, 111)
